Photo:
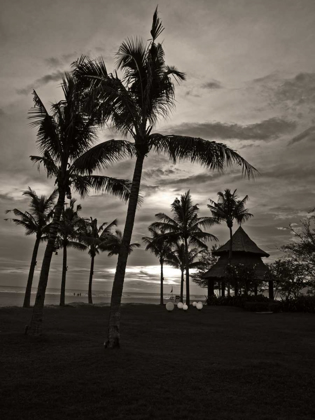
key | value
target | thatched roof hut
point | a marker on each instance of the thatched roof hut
(244, 251)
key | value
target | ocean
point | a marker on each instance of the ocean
(14, 296)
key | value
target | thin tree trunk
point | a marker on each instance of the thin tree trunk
(210, 288)
(35, 326)
(28, 291)
(230, 256)
(162, 280)
(113, 339)
(182, 286)
(187, 273)
(270, 287)
(223, 289)
(64, 276)
(90, 280)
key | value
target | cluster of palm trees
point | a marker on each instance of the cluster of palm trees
(131, 99)
(179, 241)
(73, 232)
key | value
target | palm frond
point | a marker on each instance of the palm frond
(211, 154)
(157, 27)
(102, 155)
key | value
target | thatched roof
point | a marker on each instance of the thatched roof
(241, 243)
(218, 270)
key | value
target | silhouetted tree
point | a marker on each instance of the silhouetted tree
(36, 221)
(96, 238)
(133, 105)
(158, 245)
(68, 237)
(227, 209)
(186, 226)
(63, 136)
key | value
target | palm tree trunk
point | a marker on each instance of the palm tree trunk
(64, 276)
(162, 280)
(91, 279)
(113, 339)
(230, 256)
(187, 273)
(182, 286)
(35, 326)
(28, 291)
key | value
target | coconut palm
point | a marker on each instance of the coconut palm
(36, 221)
(96, 238)
(177, 259)
(63, 136)
(227, 209)
(68, 234)
(186, 226)
(158, 245)
(133, 105)
(114, 244)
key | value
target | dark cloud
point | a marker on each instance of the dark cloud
(56, 76)
(193, 180)
(307, 135)
(264, 130)
(213, 84)
(300, 89)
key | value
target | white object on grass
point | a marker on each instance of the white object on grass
(194, 303)
(199, 306)
(180, 305)
(185, 307)
(169, 306)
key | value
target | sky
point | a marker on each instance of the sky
(250, 69)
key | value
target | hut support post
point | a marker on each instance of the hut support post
(223, 289)
(210, 288)
(271, 294)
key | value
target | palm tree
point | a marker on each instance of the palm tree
(133, 105)
(68, 234)
(63, 136)
(114, 244)
(96, 238)
(177, 259)
(36, 221)
(158, 245)
(186, 226)
(227, 209)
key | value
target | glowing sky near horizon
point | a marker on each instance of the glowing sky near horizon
(250, 69)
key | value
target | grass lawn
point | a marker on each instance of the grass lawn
(219, 363)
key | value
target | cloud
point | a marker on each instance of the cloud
(281, 228)
(55, 62)
(268, 129)
(307, 135)
(213, 84)
(53, 77)
(300, 89)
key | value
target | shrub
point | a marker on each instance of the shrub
(262, 306)
(300, 304)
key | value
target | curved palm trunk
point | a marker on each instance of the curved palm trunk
(162, 280)
(91, 280)
(64, 276)
(35, 326)
(187, 273)
(182, 286)
(113, 339)
(28, 291)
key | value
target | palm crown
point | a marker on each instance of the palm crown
(229, 207)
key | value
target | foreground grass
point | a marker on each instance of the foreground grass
(220, 363)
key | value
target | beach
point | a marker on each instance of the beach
(14, 296)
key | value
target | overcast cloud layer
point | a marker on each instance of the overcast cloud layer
(250, 69)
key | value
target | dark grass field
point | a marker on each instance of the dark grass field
(220, 363)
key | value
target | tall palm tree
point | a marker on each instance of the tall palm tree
(177, 259)
(36, 221)
(133, 105)
(158, 245)
(68, 237)
(227, 209)
(186, 226)
(96, 238)
(63, 136)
